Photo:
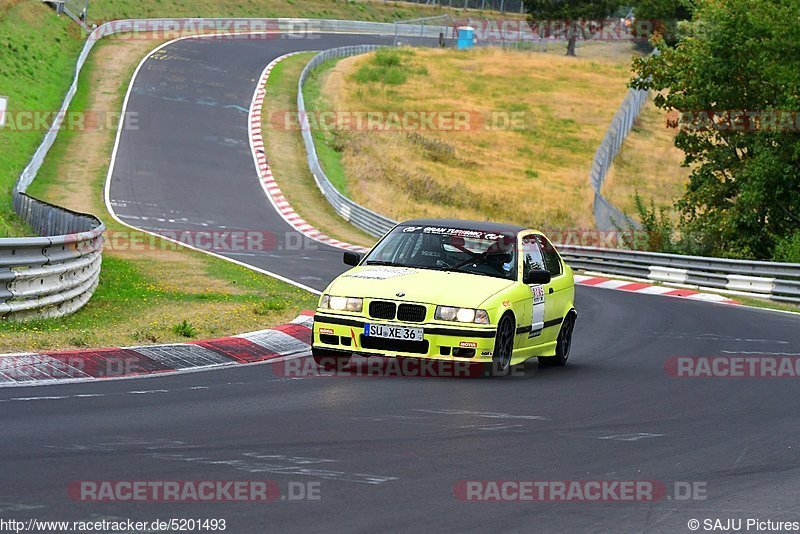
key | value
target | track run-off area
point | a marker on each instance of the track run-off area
(393, 453)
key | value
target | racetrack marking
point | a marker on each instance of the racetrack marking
(760, 353)
(631, 437)
(267, 180)
(107, 188)
(491, 428)
(489, 415)
(281, 465)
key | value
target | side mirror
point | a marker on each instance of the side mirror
(537, 276)
(352, 258)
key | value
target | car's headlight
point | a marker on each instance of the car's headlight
(461, 315)
(352, 304)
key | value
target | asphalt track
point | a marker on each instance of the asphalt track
(388, 452)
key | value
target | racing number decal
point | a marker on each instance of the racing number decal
(537, 323)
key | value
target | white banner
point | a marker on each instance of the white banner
(3, 103)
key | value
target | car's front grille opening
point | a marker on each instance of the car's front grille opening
(346, 341)
(399, 345)
(380, 309)
(412, 313)
(329, 339)
(459, 352)
(444, 351)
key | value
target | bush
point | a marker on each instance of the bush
(788, 249)
(185, 329)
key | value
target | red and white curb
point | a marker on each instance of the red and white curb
(650, 289)
(280, 343)
(271, 187)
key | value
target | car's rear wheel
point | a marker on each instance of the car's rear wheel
(563, 344)
(503, 347)
(330, 360)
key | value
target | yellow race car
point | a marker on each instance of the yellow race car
(462, 291)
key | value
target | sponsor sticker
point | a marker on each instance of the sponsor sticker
(379, 274)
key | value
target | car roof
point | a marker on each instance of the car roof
(480, 226)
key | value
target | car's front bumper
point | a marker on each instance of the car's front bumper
(459, 342)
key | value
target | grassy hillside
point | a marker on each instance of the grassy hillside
(37, 54)
(533, 172)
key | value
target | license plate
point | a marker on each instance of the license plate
(393, 332)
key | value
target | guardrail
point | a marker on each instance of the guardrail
(54, 275)
(776, 281)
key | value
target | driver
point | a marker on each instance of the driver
(500, 254)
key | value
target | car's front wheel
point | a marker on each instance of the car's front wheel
(503, 347)
(330, 360)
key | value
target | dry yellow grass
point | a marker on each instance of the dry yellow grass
(648, 163)
(536, 176)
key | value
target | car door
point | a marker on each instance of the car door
(558, 291)
(532, 259)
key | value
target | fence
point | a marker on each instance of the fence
(606, 215)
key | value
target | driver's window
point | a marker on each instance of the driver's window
(531, 255)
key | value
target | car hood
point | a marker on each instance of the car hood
(419, 285)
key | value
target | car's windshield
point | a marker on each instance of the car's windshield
(448, 249)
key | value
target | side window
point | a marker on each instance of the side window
(551, 260)
(531, 255)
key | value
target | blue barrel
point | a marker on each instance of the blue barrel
(466, 35)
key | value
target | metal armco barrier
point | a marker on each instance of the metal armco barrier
(54, 275)
(776, 281)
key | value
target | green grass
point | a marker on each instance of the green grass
(37, 54)
(328, 142)
(376, 11)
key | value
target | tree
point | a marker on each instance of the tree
(734, 83)
(575, 16)
(662, 17)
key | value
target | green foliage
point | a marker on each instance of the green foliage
(788, 249)
(184, 329)
(661, 17)
(743, 197)
(657, 230)
(387, 66)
